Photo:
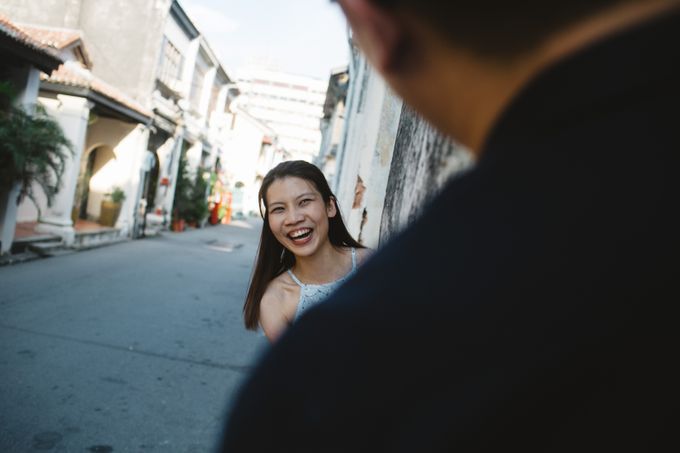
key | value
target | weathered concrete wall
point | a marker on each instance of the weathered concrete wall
(374, 170)
(124, 40)
(390, 162)
(423, 161)
(54, 13)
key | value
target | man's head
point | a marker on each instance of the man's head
(474, 55)
(496, 28)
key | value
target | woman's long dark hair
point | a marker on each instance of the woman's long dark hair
(273, 259)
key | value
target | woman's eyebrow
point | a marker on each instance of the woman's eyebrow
(306, 194)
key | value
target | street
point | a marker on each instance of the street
(132, 347)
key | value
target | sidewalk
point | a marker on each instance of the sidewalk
(26, 238)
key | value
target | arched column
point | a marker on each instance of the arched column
(72, 113)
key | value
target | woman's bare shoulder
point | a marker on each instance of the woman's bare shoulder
(279, 291)
(277, 307)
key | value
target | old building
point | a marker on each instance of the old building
(108, 130)
(157, 62)
(191, 97)
(23, 59)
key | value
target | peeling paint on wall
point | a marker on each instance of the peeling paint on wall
(359, 190)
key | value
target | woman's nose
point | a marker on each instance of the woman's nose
(293, 216)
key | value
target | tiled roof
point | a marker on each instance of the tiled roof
(68, 76)
(15, 33)
(58, 38)
(52, 37)
(49, 41)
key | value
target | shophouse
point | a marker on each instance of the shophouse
(109, 131)
(162, 68)
(23, 59)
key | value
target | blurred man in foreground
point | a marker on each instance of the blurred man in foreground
(530, 307)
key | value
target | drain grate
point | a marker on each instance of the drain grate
(222, 246)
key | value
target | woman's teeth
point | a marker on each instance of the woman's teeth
(300, 234)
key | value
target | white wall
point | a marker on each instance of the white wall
(241, 159)
(128, 143)
(365, 151)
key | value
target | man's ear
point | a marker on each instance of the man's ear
(331, 208)
(379, 32)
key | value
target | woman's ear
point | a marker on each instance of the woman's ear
(331, 208)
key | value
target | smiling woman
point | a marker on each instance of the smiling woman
(303, 240)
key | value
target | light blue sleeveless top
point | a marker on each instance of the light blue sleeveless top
(311, 295)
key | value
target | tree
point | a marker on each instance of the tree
(198, 202)
(33, 149)
(182, 189)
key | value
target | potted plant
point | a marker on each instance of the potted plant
(110, 207)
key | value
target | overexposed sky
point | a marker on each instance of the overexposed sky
(306, 37)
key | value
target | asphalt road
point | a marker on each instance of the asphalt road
(132, 347)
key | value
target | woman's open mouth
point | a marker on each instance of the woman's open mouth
(300, 236)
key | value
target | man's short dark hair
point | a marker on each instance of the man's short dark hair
(500, 28)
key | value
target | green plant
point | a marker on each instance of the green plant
(198, 203)
(33, 149)
(117, 195)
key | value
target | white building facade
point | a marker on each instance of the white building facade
(291, 105)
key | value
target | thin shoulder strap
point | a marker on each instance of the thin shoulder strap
(354, 258)
(295, 279)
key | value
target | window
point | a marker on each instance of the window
(197, 83)
(170, 70)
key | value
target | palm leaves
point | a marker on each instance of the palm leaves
(33, 149)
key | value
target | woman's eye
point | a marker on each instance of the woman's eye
(279, 209)
(305, 201)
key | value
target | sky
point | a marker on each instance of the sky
(305, 37)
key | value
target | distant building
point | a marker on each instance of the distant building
(251, 150)
(291, 105)
(191, 97)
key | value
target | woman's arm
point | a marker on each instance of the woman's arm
(273, 319)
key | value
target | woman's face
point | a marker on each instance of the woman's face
(298, 215)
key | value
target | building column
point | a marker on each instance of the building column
(8, 217)
(72, 113)
(172, 172)
(206, 93)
